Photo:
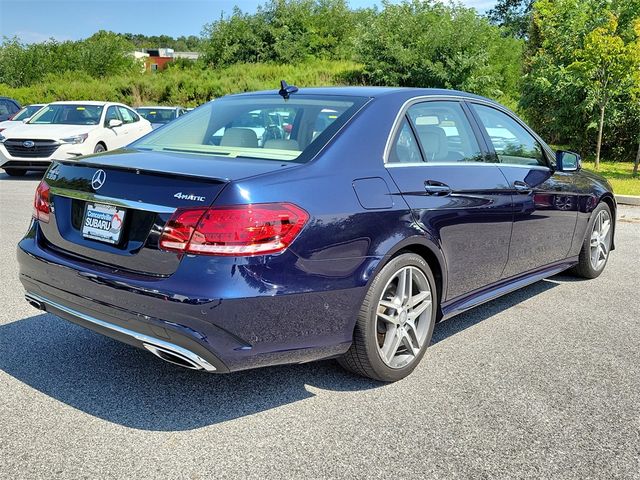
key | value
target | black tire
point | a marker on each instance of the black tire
(14, 172)
(364, 357)
(99, 148)
(585, 267)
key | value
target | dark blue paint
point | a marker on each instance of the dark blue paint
(482, 240)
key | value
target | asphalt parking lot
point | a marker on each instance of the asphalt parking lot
(542, 383)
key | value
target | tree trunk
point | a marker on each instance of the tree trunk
(637, 161)
(599, 144)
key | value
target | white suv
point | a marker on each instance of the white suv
(64, 130)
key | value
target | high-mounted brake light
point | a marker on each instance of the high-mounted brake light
(41, 205)
(239, 230)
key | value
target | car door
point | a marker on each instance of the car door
(438, 161)
(545, 203)
(116, 136)
(134, 127)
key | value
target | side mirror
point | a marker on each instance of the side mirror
(568, 161)
(114, 122)
(25, 120)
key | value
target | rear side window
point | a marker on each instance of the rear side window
(265, 127)
(444, 133)
(405, 148)
(511, 141)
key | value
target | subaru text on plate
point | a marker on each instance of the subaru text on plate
(375, 213)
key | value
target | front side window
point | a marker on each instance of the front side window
(64, 114)
(127, 115)
(112, 114)
(511, 141)
(444, 132)
(258, 126)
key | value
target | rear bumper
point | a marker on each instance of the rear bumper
(228, 320)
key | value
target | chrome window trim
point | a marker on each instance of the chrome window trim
(459, 98)
(473, 164)
(118, 202)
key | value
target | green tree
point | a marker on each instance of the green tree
(513, 15)
(606, 66)
(578, 83)
(430, 44)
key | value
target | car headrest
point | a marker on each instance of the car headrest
(434, 142)
(282, 144)
(239, 137)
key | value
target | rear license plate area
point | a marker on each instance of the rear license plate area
(103, 222)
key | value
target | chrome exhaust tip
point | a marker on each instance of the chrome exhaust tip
(174, 357)
(34, 302)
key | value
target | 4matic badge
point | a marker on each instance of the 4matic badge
(188, 196)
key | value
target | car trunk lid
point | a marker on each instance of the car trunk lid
(111, 209)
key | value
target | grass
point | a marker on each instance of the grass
(619, 175)
(186, 87)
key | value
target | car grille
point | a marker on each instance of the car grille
(40, 148)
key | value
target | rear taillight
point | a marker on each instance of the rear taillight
(240, 230)
(41, 206)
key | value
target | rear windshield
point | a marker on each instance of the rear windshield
(157, 115)
(260, 126)
(61, 114)
(27, 112)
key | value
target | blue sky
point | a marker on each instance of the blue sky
(38, 20)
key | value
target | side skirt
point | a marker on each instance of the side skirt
(502, 287)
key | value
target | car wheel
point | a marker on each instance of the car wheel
(13, 172)
(99, 148)
(395, 323)
(597, 243)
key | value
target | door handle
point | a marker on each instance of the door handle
(437, 189)
(522, 187)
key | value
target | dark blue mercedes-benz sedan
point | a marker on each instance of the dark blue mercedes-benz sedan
(290, 226)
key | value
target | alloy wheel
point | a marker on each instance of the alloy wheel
(403, 316)
(600, 240)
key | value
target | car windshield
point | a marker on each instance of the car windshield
(266, 127)
(157, 115)
(62, 114)
(26, 112)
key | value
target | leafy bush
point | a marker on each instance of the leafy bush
(175, 86)
(101, 55)
(430, 44)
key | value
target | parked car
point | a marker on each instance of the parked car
(19, 118)
(67, 130)
(159, 116)
(8, 108)
(383, 211)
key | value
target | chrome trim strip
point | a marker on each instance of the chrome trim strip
(197, 359)
(471, 164)
(118, 202)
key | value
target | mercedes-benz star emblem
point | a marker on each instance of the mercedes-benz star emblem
(98, 179)
(28, 144)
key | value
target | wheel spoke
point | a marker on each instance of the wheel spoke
(389, 304)
(388, 318)
(605, 229)
(408, 343)
(412, 333)
(419, 298)
(419, 310)
(392, 341)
